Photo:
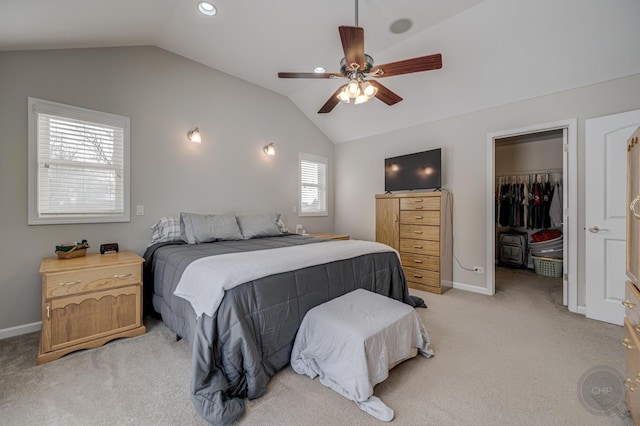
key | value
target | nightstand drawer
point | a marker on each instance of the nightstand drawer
(431, 263)
(81, 281)
(426, 203)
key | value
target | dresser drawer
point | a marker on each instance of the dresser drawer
(425, 203)
(81, 281)
(431, 263)
(420, 232)
(421, 247)
(408, 217)
(632, 377)
(632, 306)
(422, 276)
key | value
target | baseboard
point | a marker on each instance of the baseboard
(472, 288)
(20, 329)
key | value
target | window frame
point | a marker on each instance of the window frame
(320, 160)
(40, 106)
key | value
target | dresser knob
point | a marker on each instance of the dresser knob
(417, 275)
(628, 304)
(627, 343)
(419, 217)
(629, 385)
(71, 282)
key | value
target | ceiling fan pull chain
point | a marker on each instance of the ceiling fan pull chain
(356, 13)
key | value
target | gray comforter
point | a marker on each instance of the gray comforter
(238, 350)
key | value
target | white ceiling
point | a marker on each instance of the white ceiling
(494, 51)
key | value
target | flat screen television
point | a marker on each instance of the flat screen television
(421, 170)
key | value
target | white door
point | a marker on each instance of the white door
(605, 216)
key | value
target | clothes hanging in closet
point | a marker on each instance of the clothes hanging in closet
(528, 202)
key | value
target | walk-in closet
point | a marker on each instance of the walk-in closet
(529, 210)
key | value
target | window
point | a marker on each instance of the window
(78, 165)
(313, 185)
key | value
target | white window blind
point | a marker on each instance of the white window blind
(313, 185)
(78, 164)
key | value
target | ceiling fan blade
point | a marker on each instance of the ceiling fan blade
(332, 102)
(386, 95)
(308, 75)
(353, 44)
(423, 63)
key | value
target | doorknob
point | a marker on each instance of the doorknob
(595, 229)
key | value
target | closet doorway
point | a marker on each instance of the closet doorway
(530, 188)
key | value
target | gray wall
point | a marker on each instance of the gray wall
(359, 164)
(165, 96)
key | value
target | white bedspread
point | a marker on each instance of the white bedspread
(205, 280)
(352, 341)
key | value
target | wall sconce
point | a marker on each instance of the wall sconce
(194, 136)
(270, 150)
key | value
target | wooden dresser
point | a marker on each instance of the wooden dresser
(419, 226)
(631, 340)
(88, 301)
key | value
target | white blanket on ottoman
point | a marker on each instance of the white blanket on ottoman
(352, 341)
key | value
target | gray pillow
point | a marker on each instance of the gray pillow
(198, 228)
(260, 225)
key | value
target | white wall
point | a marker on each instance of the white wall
(165, 95)
(360, 172)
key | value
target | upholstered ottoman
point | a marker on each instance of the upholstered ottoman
(352, 342)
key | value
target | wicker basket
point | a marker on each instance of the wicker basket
(77, 250)
(547, 266)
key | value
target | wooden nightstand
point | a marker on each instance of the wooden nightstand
(88, 301)
(331, 236)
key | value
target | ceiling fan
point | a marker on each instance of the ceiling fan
(357, 66)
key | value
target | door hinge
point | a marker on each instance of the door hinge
(565, 147)
(565, 276)
(566, 212)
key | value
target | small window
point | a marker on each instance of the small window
(78, 165)
(313, 185)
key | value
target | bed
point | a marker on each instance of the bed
(249, 337)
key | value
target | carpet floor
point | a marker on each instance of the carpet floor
(512, 359)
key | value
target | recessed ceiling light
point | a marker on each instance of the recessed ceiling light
(207, 8)
(319, 69)
(401, 25)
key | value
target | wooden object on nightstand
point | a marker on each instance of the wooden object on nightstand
(331, 236)
(88, 301)
(418, 225)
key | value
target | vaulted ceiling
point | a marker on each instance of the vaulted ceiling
(494, 51)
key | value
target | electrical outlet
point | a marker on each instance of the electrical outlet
(478, 269)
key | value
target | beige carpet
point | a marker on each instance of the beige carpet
(512, 359)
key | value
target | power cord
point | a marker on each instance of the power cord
(450, 208)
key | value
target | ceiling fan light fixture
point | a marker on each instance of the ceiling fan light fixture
(353, 88)
(368, 89)
(344, 96)
(361, 99)
(319, 70)
(207, 8)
